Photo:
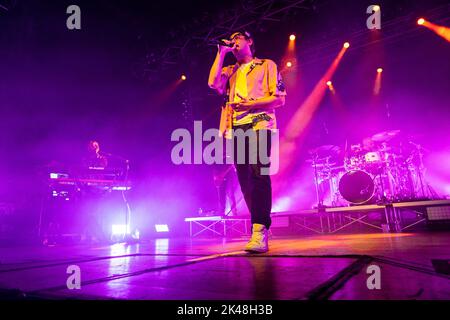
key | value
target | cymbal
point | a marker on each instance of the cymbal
(385, 135)
(321, 161)
(325, 150)
(321, 165)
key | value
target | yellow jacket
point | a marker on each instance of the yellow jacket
(263, 80)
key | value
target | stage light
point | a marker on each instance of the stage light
(288, 64)
(346, 45)
(330, 86)
(376, 8)
(161, 228)
(301, 119)
(441, 31)
(289, 54)
(183, 77)
(377, 84)
(119, 229)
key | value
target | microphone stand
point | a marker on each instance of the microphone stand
(128, 238)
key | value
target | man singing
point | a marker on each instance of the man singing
(254, 88)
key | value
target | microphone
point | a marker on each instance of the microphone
(221, 43)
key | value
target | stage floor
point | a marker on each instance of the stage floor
(312, 267)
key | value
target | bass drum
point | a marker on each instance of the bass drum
(356, 187)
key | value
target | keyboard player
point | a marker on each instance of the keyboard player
(94, 158)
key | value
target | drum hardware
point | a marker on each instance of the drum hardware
(322, 160)
(385, 168)
(317, 182)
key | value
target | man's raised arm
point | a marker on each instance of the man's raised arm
(217, 80)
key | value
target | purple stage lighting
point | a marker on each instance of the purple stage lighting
(161, 228)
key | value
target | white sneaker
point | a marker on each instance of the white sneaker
(259, 241)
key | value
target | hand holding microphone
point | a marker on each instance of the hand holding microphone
(224, 46)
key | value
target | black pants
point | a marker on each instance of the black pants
(256, 187)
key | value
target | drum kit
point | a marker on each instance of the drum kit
(386, 167)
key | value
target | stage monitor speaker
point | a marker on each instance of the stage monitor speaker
(438, 214)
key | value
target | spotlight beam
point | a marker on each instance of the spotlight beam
(377, 85)
(441, 31)
(303, 116)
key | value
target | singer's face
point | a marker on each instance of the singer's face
(242, 44)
